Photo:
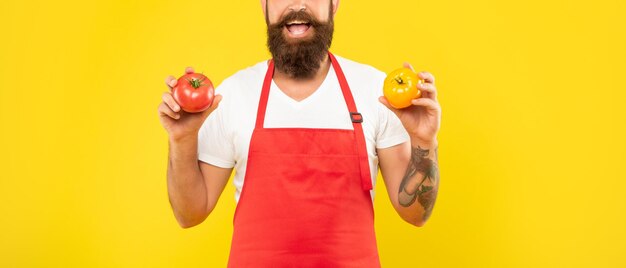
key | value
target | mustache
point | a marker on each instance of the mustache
(298, 15)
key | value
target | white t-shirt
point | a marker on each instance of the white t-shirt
(224, 138)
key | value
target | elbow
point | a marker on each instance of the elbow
(421, 220)
(188, 222)
(419, 223)
(417, 220)
(190, 219)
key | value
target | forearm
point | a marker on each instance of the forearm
(418, 189)
(186, 188)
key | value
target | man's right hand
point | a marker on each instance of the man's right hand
(178, 123)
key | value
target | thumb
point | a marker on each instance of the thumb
(385, 102)
(216, 101)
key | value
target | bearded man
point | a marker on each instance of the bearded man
(305, 132)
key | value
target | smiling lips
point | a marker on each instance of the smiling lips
(298, 27)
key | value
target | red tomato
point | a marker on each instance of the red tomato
(194, 92)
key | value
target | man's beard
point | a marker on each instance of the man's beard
(301, 58)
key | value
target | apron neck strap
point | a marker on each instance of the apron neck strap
(355, 116)
(265, 92)
(343, 83)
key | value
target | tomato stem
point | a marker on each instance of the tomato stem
(399, 79)
(195, 82)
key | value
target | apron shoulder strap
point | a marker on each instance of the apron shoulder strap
(265, 92)
(357, 119)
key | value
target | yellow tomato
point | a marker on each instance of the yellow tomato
(400, 87)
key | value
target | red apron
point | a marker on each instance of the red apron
(306, 196)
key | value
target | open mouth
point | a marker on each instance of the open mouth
(297, 27)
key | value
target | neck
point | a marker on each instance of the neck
(299, 89)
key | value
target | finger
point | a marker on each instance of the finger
(408, 65)
(428, 90)
(170, 81)
(216, 101)
(428, 77)
(170, 101)
(165, 110)
(385, 102)
(189, 70)
(426, 102)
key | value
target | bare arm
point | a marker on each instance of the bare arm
(411, 175)
(193, 186)
(411, 170)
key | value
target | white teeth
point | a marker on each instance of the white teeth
(296, 22)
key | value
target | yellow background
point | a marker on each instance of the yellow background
(531, 144)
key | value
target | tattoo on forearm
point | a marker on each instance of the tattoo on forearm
(420, 181)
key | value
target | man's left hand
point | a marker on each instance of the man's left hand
(422, 119)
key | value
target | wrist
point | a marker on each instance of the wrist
(424, 144)
(183, 139)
